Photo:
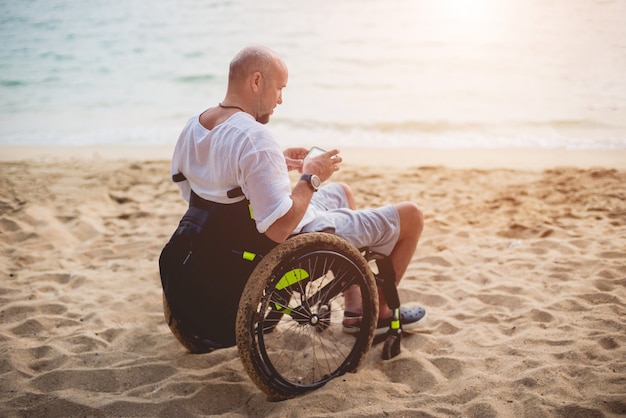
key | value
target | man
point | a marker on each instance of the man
(228, 148)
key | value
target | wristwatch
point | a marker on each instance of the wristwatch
(313, 181)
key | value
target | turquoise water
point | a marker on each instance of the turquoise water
(416, 73)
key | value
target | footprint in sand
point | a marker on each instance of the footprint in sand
(449, 367)
(45, 358)
(111, 380)
(410, 371)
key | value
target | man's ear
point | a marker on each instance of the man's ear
(255, 81)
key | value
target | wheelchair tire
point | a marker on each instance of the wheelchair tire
(289, 321)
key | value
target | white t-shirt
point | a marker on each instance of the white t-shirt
(240, 152)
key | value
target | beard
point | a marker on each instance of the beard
(264, 118)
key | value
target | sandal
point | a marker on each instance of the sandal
(410, 318)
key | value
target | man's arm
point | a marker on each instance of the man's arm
(323, 166)
(280, 230)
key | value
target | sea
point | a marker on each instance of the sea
(362, 73)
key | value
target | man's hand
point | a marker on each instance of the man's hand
(294, 158)
(323, 165)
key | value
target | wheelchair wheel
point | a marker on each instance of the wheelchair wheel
(289, 322)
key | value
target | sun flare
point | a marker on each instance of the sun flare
(466, 10)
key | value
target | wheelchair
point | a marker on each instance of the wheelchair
(289, 319)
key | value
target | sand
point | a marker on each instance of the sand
(522, 266)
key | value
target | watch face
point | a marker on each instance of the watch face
(313, 180)
(316, 182)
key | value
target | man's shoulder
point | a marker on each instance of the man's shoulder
(251, 131)
(246, 122)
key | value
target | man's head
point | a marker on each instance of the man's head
(256, 78)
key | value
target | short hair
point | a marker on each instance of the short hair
(250, 60)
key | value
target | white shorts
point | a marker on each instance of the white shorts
(378, 229)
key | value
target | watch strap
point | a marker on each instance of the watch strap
(308, 179)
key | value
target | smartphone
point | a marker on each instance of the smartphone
(315, 151)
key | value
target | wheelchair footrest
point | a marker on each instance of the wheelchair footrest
(391, 347)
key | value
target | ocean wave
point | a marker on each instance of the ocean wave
(443, 126)
(195, 78)
(566, 134)
(11, 83)
(410, 134)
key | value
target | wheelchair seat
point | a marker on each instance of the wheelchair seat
(204, 268)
